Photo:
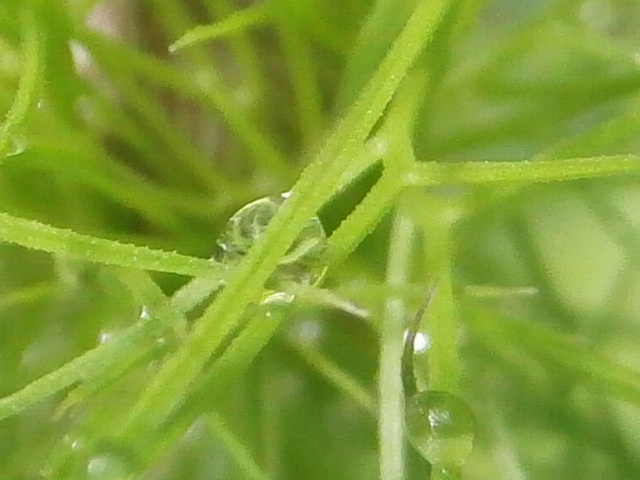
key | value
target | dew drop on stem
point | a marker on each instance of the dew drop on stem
(303, 262)
(439, 425)
(441, 428)
(107, 466)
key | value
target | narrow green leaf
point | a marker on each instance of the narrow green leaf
(32, 234)
(26, 99)
(315, 186)
(433, 173)
(252, 16)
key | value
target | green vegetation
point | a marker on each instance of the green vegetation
(483, 150)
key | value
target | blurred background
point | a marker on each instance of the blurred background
(130, 142)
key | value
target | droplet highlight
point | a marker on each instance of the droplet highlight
(304, 261)
(439, 425)
(17, 146)
(107, 466)
(441, 428)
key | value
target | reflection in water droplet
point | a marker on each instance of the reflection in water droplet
(106, 336)
(278, 298)
(445, 473)
(17, 145)
(441, 427)
(307, 332)
(145, 313)
(421, 343)
(303, 262)
(107, 466)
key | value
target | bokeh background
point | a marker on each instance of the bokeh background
(131, 142)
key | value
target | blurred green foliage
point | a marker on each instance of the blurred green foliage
(110, 135)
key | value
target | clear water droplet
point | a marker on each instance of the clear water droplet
(441, 427)
(107, 466)
(303, 262)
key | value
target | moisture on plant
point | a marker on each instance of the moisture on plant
(303, 261)
(166, 313)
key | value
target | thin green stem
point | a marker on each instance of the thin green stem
(235, 447)
(390, 393)
(32, 234)
(158, 120)
(437, 216)
(244, 50)
(542, 342)
(27, 294)
(315, 186)
(364, 218)
(433, 173)
(26, 99)
(301, 72)
(336, 376)
(252, 16)
(89, 365)
(215, 97)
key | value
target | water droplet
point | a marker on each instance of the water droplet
(17, 146)
(145, 313)
(278, 298)
(421, 343)
(438, 473)
(303, 262)
(107, 466)
(380, 146)
(106, 336)
(439, 425)
(441, 428)
(307, 332)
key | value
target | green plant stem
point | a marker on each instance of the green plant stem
(335, 375)
(228, 368)
(26, 98)
(235, 447)
(115, 357)
(394, 143)
(244, 50)
(390, 393)
(216, 97)
(252, 16)
(441, 322)
(85, 367)
(364, 218)
(478, 173)
(542, 342)
(32, 234)
(301, 72)
(27, 294)
(315, 186)
(158, 120)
